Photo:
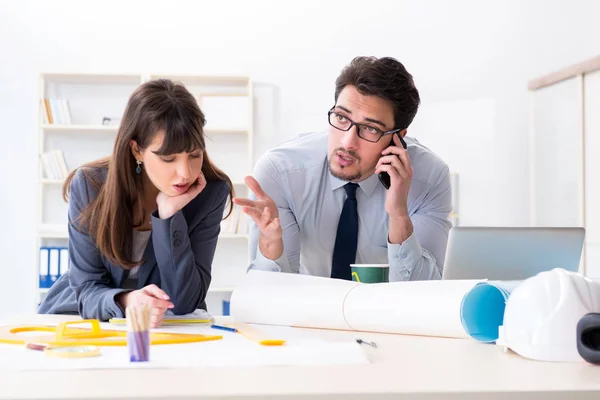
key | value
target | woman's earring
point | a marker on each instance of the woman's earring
(138, 170)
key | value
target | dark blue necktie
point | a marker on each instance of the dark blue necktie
(344, 252)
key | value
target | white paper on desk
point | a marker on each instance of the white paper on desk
(291, 300)
(429, 308)
(229, 352)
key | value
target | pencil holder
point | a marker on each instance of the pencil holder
(138, 334)
(139, 346)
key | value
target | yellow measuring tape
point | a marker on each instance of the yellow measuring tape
(66, 336)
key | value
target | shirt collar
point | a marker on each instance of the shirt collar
(368, 185)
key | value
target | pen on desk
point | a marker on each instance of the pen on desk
(224, 328)
(372, 344)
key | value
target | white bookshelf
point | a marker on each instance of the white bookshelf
(79, 129)
(45, 181)
(227, 103)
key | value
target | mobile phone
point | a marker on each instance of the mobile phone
(384, 177)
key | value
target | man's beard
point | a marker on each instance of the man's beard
(345, 177)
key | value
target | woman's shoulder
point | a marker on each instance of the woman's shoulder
(218, 186)
(87, 181)
(91, 174)
(214, 193)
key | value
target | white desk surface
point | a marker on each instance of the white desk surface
(402, 367)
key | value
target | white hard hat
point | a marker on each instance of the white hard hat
(541, 315)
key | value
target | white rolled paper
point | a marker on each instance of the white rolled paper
(430, 308)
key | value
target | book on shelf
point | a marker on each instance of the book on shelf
(236, 223)
(56, 111)
(243, 223)
(54, 164)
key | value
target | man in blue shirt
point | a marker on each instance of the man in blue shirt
(319, 203)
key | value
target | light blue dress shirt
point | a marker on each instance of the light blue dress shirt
(296, 176)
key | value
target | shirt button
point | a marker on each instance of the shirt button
(177, 242)
(403, 256)
(176, 234)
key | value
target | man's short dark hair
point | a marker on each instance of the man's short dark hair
(383, 77)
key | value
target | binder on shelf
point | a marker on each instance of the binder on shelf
(54, 262)
(63, 261)
(226, 307)
(44, 267)
(54, 265)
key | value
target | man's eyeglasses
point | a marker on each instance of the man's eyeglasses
(366, 132)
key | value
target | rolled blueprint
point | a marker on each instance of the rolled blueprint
(430, 308)
(275, 298)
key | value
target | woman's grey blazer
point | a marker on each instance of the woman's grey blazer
(177, 259)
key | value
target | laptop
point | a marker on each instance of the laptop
(502, 253)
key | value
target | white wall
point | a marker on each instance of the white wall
(471, 61)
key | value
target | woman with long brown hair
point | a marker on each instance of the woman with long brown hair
(144, 222)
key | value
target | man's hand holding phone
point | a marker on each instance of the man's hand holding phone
(396, 163)
(264, 212)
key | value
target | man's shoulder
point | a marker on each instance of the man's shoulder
(305, 151)
(428, 166)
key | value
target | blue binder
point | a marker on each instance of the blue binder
(225, 307)
(44, 267)
(54, 265)
(54, 261)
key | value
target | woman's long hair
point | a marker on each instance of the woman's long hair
(158, 105)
